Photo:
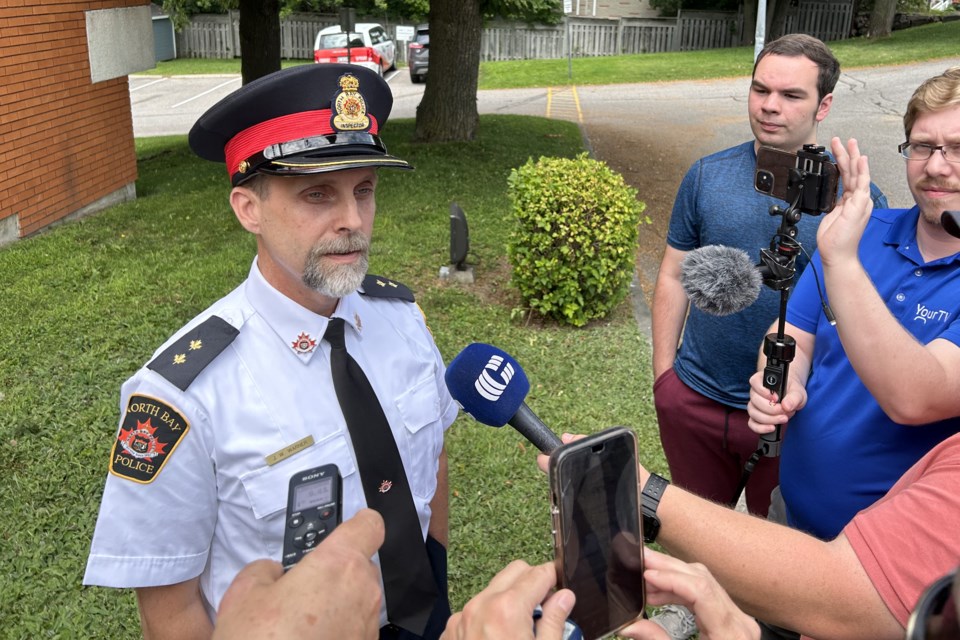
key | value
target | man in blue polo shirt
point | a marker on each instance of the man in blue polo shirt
(870, 396)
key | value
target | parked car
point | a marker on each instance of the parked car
(418, 52)
(369, 46)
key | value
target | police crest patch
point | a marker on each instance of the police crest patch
(150, 431)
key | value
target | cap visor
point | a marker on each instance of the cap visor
(315, 164)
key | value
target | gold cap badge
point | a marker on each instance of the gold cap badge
(349, 106)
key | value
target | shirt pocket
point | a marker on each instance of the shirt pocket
(419, 408)
(266, 487)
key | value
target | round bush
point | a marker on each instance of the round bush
(573, 244)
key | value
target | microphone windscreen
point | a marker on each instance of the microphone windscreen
(720, 280)
(487, 383)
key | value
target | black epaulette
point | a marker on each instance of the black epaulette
(380, 287)
(182, 362)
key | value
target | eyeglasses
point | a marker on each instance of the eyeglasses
(920, 151)
(935, 616)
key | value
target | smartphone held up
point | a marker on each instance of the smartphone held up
(807, 179)
(598, 540)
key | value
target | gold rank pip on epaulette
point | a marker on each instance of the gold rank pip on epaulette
(182, 361)
(380, 287)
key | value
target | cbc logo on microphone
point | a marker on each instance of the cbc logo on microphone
(492, 386)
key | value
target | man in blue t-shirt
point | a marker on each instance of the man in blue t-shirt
(701, 388)
(870, 396)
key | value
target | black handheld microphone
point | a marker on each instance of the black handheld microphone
(720, 280)
(491, 387)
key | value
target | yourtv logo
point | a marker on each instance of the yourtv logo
(925, 314)
(492, 386)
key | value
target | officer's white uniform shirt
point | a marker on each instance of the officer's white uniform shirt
(216, 504)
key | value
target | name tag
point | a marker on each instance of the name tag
(289, 450)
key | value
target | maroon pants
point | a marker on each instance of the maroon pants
(707, 444)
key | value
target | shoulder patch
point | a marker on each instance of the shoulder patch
(380, 287)
(182, 362)
(150, 431)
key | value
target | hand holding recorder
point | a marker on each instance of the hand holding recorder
(333, 593)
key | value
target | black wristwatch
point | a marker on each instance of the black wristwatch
(649, 500)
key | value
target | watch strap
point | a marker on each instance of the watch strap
(653, 491)
(649, 501)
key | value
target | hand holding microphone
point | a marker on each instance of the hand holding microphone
(491, 387)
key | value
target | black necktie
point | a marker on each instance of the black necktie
(408, 581)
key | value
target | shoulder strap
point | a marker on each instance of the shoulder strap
(380, 287)
(182, 361)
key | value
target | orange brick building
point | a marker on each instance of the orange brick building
(66, 131)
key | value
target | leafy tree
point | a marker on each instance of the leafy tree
(881, 18)
(883, 12)
(259, 33)
(448, 110)
(181, 10)
(673, 7)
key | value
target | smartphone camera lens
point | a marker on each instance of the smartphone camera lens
(764, 181)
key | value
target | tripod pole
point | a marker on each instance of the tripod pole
(779, 350)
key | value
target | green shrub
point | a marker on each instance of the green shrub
(574, 242)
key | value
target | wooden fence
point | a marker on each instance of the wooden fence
(217, 36)
(826, 20)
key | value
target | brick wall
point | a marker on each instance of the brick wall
(65, 143)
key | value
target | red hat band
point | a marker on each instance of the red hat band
(284, 129)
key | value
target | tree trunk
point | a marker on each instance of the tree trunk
(448, 110)
(778, 19)
(748, 32)
(259, 38)
(881, 20)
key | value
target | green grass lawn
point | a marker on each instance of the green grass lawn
(86, 303)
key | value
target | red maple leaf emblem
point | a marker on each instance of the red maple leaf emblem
(142, 441)
(304, 343)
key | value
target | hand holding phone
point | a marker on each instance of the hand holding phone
(598, 540)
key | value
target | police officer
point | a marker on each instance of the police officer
(244, 395)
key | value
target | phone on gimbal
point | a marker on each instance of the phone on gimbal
(598, 539)
(781, 175)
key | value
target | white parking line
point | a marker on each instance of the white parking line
(200, 95)
(148, 84)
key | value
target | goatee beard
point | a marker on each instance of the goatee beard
(337, 280)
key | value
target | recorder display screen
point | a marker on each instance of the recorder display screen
(313, 494)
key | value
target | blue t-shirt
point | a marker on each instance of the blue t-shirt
(717, 204)
(841, 453)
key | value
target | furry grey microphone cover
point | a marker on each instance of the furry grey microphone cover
(720, 280)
